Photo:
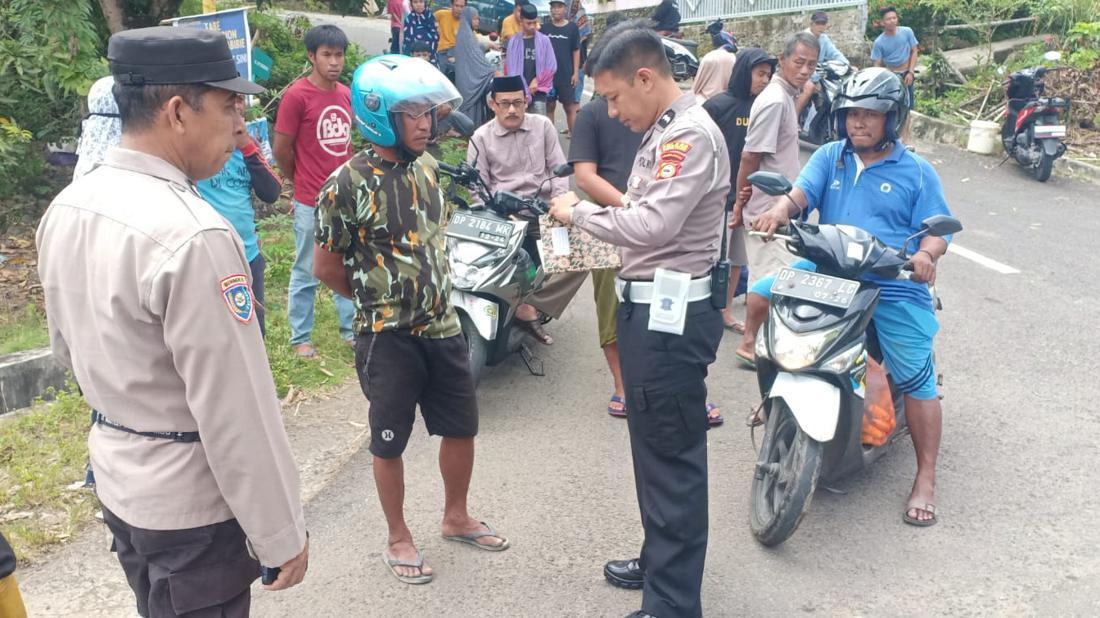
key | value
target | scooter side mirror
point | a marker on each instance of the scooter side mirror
(941, 225)
(771, 183)
(462, 123)
(564, 170)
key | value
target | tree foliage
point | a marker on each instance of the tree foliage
(50, 54)
(126, 14)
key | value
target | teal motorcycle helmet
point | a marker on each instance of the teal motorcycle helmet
(388, 85)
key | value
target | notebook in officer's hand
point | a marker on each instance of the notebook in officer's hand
(564, 248)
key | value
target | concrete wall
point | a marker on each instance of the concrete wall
(846, 29)
(26, 376)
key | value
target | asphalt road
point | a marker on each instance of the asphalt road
(373, 35)
(1017, 483)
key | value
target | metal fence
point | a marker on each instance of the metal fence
(703, 10)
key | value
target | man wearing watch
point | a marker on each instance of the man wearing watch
(896, 49)
(671, 232)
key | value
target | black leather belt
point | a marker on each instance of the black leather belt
(175, 436)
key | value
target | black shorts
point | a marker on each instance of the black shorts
(564, 92)
(398, 370)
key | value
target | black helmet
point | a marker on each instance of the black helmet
(876, 89)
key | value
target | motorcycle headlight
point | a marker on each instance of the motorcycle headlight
(843, 361)
(465, 276)
(795, 351)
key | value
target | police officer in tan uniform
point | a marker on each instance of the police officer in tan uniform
(669, 320)
(149, 304)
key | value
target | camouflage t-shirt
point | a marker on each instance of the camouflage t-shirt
(387, 220)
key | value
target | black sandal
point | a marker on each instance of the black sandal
(534, 327)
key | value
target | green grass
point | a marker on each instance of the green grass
(453, 150)
(42, 453)
(334, 364)
(24, 331)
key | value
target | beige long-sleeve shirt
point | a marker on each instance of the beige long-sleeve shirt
(677, 191)
(519, 160)
(148, 301)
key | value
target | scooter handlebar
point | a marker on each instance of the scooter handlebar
(451, 170)
(906, 272)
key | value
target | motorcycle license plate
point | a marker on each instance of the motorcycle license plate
(814, 287)
(679, 68)
(1050, 130)
(485, 230)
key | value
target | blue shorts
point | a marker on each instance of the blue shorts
(905, 333)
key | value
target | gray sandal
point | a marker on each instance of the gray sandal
(415, 564)
(471, 539)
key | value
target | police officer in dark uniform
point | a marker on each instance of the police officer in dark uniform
(669, 320)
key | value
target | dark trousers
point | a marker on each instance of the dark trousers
(257, 267)
(666, 395)
(202, 572)
(395, 40)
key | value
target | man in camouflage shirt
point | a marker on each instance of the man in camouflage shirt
(380, 241)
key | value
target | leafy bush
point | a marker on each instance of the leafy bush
(50, 54)
(915, 14)
(1059, 16)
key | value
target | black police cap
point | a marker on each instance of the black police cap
(175, 55)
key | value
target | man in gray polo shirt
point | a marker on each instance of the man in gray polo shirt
(771, 145)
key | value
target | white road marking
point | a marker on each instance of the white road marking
(989, 263)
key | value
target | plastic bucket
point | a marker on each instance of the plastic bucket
(984, 136)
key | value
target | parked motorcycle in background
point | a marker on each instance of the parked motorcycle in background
(720, 37)
(1033, 128)
(813, 364)
(494, 265)
(681, 54)
(815, 123)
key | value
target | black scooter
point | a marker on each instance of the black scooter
(1033, 129)
(811, 360)
(815, 123)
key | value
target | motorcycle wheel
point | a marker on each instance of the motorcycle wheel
(787, 471)
(477, 348)
(1042, 169)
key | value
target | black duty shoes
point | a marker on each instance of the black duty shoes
(624, 574)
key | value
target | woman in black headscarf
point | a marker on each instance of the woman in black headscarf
(730, 111)
(473, 73)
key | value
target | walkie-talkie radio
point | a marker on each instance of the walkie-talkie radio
(720, 274)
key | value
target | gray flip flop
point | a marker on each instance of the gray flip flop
(416, 564)
(471, 539)
(920, 523)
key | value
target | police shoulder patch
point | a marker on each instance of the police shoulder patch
(672, 159)
(238, 297)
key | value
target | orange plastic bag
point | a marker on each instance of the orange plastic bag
(879, 418)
